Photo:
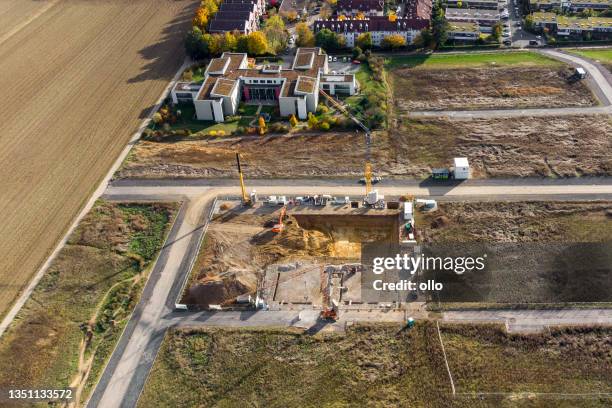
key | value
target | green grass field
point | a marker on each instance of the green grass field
(376, 365)
(91, 287)
(603, 55)
(470, 60)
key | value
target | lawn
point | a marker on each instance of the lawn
(88, 292)
(470, 60)
(376, 365)
(567, 360)
(603, 55)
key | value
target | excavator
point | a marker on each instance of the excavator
(280, 225)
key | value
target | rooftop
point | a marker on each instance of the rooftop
(361, 5)
(305, 84)
(217, 26)
(463, 27)
(471, 13)
(223, 87)
(373, 23)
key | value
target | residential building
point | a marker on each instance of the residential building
(378, 26)
(237, 15)
(416, 9)
(599, 27)
(350, 8)
(463, 31)
(479, 4)
(569, 5)
(229, 80)
(485, 18)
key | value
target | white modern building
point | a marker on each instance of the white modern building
(229, 80)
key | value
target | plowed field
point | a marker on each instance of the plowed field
(76, 79)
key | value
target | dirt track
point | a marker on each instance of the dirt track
(78, 78)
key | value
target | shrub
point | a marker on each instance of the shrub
(324, 126)
(212, 133)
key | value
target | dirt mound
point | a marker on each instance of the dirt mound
(440, 222)
(216, 292)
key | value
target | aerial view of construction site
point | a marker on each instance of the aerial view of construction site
(327, 203)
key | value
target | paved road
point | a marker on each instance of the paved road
(512, 113)
(126, 372)
(537, 189)
(532, 320)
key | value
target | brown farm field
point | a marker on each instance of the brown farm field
(77, 77)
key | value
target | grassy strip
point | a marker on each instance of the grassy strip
(470, 60)
(376, 365)
(603, 54)
(484, 358)
(87, 295)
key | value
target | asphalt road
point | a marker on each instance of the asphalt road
(532, 320)
(535, 189)
(125, 374)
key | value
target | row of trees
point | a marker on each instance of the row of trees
(199, 45)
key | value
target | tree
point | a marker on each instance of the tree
(305, 36)
(364, 41)
(293, 121)
(229, 42)
(529, 23)
(312, 121)
(200, 18)
(157, 118)
(257, 44)
(262, 125)
(194, 46)
(276, 36)
(392, 17)
(393, 41)
(360, 15)
(496, 34)
(210, 5)
(357, 52)
(242, 43)
(423, 39)
(329, 40)
(439, 25)
(210, 43)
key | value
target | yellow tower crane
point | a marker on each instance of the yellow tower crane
(245, 199)
(368, 166)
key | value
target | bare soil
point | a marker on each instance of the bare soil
(240, 245)
(517, 147)
(536, 252)
(500, 221)
(487, 88)
(514, 147)
(76, 81)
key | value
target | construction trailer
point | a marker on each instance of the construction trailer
(461, 168)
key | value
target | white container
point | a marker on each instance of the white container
(461, 168)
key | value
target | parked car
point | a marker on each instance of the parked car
(356, 62)
(507, 43)
(539, 37)
(335, 59)
(329, 58)
(506, 34)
